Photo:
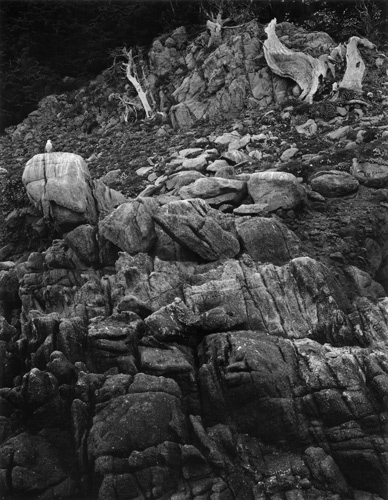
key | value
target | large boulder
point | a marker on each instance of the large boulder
(60, 185)
(370, 174)
(276, 190)
(83, 241)
(106, 198)
(303, 394)
(112, 342)
(215, 190)
(268, 240)
(39, 466)
(188, 224)
(130, 226)
(334, 183)
(147, 416)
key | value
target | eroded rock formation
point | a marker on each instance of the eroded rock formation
(194, 342)
(215, 360)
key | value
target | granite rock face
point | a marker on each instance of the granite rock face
(200, 341)
(168, 377)
(219, 82)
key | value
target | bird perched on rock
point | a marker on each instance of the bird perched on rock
(48, 146)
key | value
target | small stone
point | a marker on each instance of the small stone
(226, 172)
(239, 143)
(152, 177)
(307, 158)
(198, 164)
(337, 257)
(360, 135)
(288, 154)
(256, 154)
(351, 145)
(161, 132)
(314, 196)
(227, 138)
(134, 304)
(258, 138)
(236, 157)
(143, 171)
(190, 152)
(261, 209)
(308, 129)
(216, 165)
(342, 111)
(340, 133)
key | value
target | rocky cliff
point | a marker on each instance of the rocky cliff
(220, 332)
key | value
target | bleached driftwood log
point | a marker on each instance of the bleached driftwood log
(355, 66)
(304, 69)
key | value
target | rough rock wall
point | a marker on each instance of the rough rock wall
(228, 372)
(188, 346)
(194, 82)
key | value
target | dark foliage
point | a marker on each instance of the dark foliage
(13, 193)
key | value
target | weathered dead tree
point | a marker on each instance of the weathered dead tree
(355, 66)
(129, 107)
(132, 75)
(304, 69)
(215, 25)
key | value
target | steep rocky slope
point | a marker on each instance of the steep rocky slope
(222, 334)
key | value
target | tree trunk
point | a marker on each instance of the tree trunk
(355, 66)
(133, 78)
(302, 68)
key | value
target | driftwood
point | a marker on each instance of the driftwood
(304, 69)
(131, 74)
(355, 66)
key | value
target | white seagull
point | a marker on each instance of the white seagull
(49, 146)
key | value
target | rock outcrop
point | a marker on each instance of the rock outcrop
(61, 187)
(221, 332)
(223, 79)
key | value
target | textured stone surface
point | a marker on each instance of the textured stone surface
(334, 183)
(130, 226)
(137, 368)
(276, 189)
(370, 174)
(268, 240)
(60, 185)
(215, 190)
(188, 224)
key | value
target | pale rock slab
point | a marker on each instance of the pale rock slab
(276, 189)
(215, 190)
(268, 240)
(60, 185)
(370, 174)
